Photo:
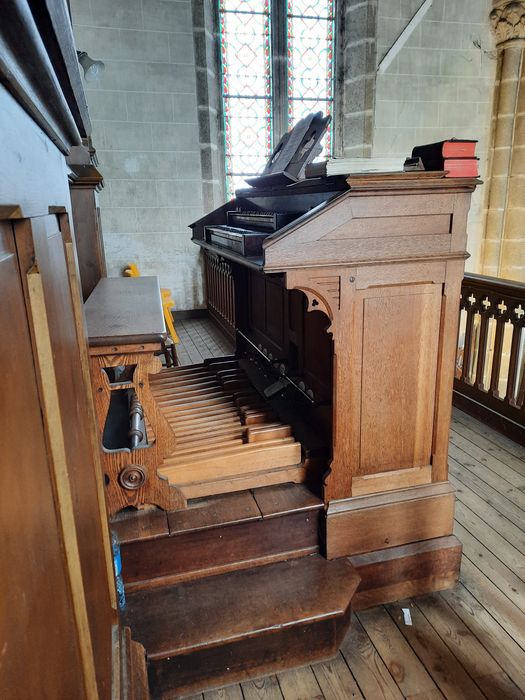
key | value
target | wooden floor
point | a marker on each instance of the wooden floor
(199, 339)
(465, 643)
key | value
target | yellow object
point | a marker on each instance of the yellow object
(167, 304)
(132, 270)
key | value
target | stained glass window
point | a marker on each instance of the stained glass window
(246, 87)
(249, 53)
(310, 30)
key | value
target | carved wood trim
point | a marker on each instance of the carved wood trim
(143, 462)
(27, 71)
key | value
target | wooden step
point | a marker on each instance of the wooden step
(133, 672)
(217, 534)
(228, 628)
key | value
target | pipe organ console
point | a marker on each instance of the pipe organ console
(346, 321)
(331, 417)
(342, 294)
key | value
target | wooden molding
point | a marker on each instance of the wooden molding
(27, 71)
(50, 399)
(379, 521)
(391, 481)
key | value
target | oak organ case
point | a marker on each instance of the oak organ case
(357, 300)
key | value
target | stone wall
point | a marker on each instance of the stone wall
(355, 78)
(145, 130)
(211, 136)
(157, 123)
(440, 85)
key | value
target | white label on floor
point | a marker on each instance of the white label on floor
(407, 616)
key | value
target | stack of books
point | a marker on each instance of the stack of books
(455, 156)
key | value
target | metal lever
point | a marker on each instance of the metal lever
(276, 388)
(136, 419)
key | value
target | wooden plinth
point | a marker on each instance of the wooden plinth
(380, 521)
(406, 571)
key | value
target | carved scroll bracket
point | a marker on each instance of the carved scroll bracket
(324, 290)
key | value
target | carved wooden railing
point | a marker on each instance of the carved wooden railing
(220, 291)
(490, 362)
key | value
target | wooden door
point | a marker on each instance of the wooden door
(399, 362)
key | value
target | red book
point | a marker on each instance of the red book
(456, 148)
(433, 155)
(461, 167)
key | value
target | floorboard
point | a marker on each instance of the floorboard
(468, 642)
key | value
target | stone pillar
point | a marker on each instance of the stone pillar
(504, 251)
(356, 76)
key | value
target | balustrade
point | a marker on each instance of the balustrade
(220, 291)
(490, 361)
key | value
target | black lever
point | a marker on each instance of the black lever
(276, 388)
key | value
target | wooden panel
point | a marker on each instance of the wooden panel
(401, 333)
(125, 310)
(369, 523)
(40, 240)
(405, 571)
(378, 226)
(445, 370)
(244, 660)
(31, 76)
(133, 673)
(243, 459)
(257, 301)
(37, 625)
(88, 239)
(420, 225)
(317, 352)
(389, 481)
(249, 481)
(275, 310)
(78, 313)
(132, 525)
(356, 250)
(399, 273)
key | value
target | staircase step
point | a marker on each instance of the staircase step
(227, 628)
(218, 534)
(133, 672)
